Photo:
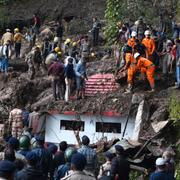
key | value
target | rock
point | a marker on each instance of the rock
(160, 114)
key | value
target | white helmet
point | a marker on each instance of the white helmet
(56, 39)
(147, 32)
(134, 34)
(136, 55)
(160, 162)
(136, 23)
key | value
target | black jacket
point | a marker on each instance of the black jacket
(121, 167)
(30, 173)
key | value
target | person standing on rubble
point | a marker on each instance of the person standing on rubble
(52, 56)
(131, 41)
(17, 40)
(6, 55)
(56, 70)
(69, 78)
(178, 64)
(90, 154)
(34, 60)
(120, 167)
(95, 31)
(85, 49)
(8, 36)
(80, 72)
(59, 32)
(149, 43)
(34, 120)
(37, 23)
(16, 121)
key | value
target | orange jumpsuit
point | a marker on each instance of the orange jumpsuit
(149, 68)
(132, 68)
(150, 47)
(131, 42)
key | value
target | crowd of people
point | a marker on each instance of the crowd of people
(141, 48)
(30, 158)
(25, 155)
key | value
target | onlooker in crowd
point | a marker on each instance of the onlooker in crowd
(91, 157)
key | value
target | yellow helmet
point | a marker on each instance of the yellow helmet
(67, 41)
(57, 49)
(74, 44)
(59, 53)
(16, 30)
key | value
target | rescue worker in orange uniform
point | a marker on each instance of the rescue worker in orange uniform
(130, 66)
(131, 41)
(148, 67)
(149, 43)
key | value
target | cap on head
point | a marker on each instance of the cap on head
(85, 140)
(134, 34)
(32, 157)
(119, 149)
(136, 55)
(147, 33)
(52, 148)
(160, 162)
(13, 142)
(79, 161)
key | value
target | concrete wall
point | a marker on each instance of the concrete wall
(55, 135)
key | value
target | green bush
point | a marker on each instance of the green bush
(174, 109)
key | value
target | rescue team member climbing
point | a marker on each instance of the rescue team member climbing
(17, 40)
(148, 67)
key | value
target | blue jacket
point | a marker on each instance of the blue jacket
(80, 69)
(163, 175)
(62, 170)
(45, 159)
(69, 71)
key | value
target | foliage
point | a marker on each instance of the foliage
(174, 109)
(130, 10)
(112, 15)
